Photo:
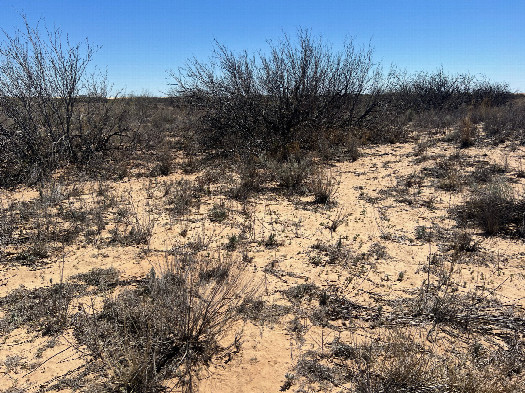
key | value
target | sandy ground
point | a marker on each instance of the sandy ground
(374, 206)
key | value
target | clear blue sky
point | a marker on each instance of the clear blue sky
(142, 40)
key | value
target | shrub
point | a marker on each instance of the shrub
(441, 92)
(252, 175)
(43, 309)
(495, 208)
(168, 327)
(182, 195)
(52, 111)
(295, 94)
(218, 213)
(99, 277)
(505, 123)
(324, 188)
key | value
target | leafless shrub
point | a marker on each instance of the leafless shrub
(53, 111)
(486, 173)
(310, 366)
(283, 97)
(443, 93)
(462, 242)
(8, 225)
(163, 167)
(400, 363)
(168, 327)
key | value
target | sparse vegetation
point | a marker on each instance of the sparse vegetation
(149, 233)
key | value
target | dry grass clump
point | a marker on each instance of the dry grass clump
(494, 208)
(324, 188)
(170, 326)
(182, 195)
(399, 363)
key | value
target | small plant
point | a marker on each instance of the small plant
(251, 177)
(271, 242)
(463, 242)
(233, 241)
(336, 221)
(261, 312)
(331, 254)
(182, 195)
(164, 166)
(289, 380)
(292, 173)
(99, 277)
(302, 292)
(421, 233)
(43, 309)
(324, 188)
(140, 232)
(467, 132)
(218, 213)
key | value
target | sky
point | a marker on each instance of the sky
(141, 41)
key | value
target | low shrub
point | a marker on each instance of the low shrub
(323, 187)
(44, 309)
(182, 195)
(494, 208)
(505, 123)
(170, 326)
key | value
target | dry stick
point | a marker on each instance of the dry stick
(429, 259)
(45, 361)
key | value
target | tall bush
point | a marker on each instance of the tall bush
(52, 110)
(282, 100)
